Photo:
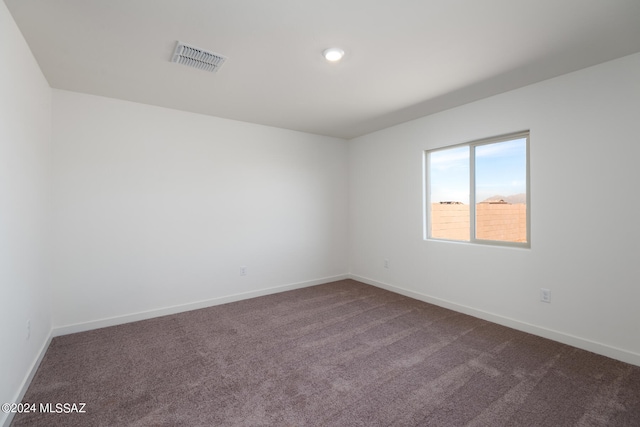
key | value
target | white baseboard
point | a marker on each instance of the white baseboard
(134, 317)
(582, 343)
(27, 380)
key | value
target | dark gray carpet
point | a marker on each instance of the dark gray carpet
(339, 354)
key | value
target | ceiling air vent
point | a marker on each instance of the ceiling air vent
(197, 58)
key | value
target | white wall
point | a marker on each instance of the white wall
(585, 149)
(156, 208)
(25, 155)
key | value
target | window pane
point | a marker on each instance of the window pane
(449, 193)
(501, 191)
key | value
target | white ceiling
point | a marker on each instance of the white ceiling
(404, 58)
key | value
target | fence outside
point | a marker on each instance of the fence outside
(494, 221)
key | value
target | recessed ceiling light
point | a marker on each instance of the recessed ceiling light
(333, 54)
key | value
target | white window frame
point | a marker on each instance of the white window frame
(472, 192)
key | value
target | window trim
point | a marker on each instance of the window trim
(472, 191)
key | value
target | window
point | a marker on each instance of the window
(479, 192)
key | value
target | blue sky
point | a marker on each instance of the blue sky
(500, 169)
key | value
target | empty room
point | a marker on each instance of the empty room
(319, 213)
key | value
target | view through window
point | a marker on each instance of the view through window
(478, 192)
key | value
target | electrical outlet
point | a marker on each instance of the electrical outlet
(386, 263)
(28, 328)
(545, 295)
(243, 270)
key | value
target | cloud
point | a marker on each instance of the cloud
(449, 158)
(502, 149)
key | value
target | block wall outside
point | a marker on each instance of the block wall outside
(505, 222)
(450, 221)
